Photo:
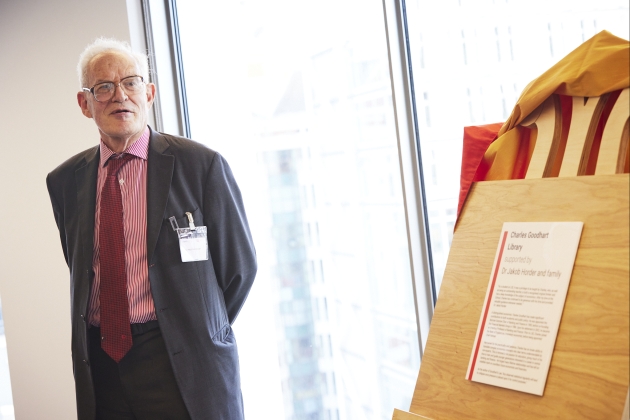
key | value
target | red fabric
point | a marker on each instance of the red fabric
(476, 142)
(115, 326)
(134, 193)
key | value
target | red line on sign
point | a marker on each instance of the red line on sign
(485, 313)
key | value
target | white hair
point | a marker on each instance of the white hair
(102, 45)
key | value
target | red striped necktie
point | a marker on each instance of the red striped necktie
(115, 327)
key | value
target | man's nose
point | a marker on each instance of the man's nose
(119, 94)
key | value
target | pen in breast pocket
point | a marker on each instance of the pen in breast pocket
(191, 222)
(174, 224)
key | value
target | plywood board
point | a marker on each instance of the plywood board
(589, 373)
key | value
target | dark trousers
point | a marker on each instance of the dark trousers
(141, 386)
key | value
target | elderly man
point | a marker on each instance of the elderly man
(161, 258)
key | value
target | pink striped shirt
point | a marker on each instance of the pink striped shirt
(133, 187)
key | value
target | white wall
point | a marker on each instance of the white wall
(41, 126)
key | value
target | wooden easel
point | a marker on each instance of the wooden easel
(589, 373)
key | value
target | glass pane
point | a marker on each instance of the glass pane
(297, 96)
(6, 397)
(471, 60)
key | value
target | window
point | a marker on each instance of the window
(298, 99)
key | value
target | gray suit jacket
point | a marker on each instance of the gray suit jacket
(195, 302)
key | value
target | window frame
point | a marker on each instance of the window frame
(165, 59)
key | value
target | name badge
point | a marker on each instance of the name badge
(193, 240)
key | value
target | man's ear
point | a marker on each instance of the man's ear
(151, 90)
(83, 103)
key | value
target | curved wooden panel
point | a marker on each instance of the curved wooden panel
(584, 118)
(614, 145)
(548, 123)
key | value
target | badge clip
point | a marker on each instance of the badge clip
(191, 222)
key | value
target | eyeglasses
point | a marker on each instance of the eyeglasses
(105, 91)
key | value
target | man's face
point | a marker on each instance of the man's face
(123, 118)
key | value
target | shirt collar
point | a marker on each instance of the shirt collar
(139, 148)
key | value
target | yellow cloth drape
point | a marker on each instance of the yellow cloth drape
(598, 66)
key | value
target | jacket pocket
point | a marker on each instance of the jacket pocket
(223, 334)
(182, 218)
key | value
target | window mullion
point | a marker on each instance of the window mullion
(163, 45)
(410, 166)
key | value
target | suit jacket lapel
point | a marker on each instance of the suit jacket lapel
(85, 178)
(159, 176)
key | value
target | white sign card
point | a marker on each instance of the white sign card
(521, 312)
